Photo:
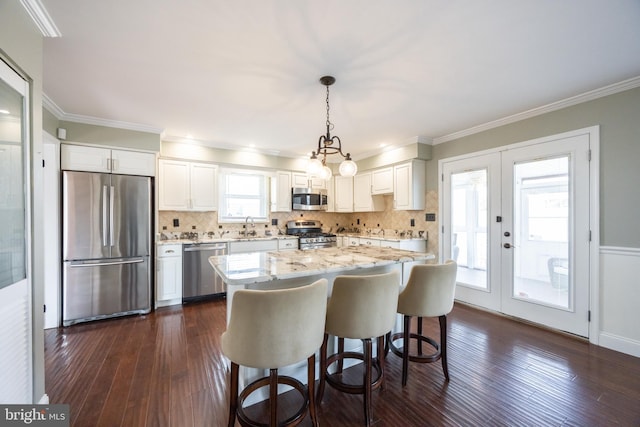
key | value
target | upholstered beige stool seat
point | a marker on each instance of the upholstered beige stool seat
(270, 330)
(429, 293)
(360, 307)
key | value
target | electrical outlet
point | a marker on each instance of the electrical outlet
(430, 217)
(413, 222)
(176, 222)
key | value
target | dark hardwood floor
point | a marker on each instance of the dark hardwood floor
(166, 369)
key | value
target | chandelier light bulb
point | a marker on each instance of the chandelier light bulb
(348, 168)
(314, 167)
(326, 173)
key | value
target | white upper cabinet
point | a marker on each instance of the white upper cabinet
(409, 185)
(107, 160)
(363, 200)
(382, 181)
(204, 194)
(343, 194)
(186, 186)
(302, 180)
(281, 192)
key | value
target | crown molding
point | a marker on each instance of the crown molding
(53, 108)
(41, 18)
(554, 106)
(77, 118)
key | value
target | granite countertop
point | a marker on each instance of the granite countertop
(221, 239)
(256, 267)
(393, 238)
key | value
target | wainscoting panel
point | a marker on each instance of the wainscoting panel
(620, 299)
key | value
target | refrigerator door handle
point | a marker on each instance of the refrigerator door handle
(99, 264)
(111, 198)
(104, 215)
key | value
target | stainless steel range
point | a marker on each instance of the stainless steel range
(310, 235)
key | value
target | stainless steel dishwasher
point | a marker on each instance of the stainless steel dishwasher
(199, 280)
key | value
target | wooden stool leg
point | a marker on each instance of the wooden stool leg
(420, 333)
(233, 394)
(311, 381)
(367, 380)
(443, 345)
(340, 350)
(405, 350)
(381, 356)
(323, 371)
(273, 396)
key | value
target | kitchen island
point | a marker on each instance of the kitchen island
(286, 269)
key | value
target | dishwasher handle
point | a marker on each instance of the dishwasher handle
(205, 247)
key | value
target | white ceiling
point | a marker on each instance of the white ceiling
(236, 73)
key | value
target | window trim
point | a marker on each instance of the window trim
(263, 196)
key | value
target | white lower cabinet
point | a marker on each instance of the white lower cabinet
(243, 246)
(287, 244)
(350, 241)
(369, 242)
(169, 275)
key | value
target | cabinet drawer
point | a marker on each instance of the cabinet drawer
(169, 250)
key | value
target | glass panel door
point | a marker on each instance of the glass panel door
(545, 233)
(469, 226)
(541, 216)
(517, 223)
(471, 200)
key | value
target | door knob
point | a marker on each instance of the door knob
(507, 245)
(507, 234)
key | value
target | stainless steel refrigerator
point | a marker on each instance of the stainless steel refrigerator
(106, 226)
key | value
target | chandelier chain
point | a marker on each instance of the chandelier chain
(329, 124)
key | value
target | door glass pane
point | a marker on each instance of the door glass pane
(469, 226)
(541, 223)
(12, 200)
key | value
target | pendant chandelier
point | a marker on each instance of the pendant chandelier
(328, 144)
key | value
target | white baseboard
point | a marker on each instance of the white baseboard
(44, 400)
(621, 344)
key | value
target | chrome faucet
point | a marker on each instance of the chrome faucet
(246, 226)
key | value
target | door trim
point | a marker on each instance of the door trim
(594, 210)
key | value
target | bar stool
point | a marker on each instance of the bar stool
(271, 329)
(429, 293)
(360, 307)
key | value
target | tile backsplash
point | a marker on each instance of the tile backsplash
(388, 220)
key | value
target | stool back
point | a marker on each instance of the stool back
(275, 328)
(363, 307)
(429, 291)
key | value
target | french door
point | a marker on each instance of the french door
(517, 221)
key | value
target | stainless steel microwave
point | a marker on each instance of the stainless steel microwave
(308, 199)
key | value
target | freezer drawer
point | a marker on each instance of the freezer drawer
(99, 289)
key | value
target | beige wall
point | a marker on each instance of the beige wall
(109, 136)
(21, 48)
